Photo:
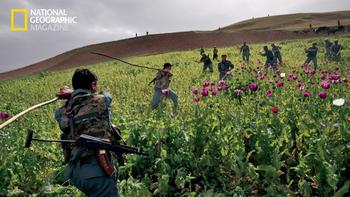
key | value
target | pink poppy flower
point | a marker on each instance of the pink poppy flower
(253, 87)
(275, 110)
(307, 94)
(269, 93)
(204, 92)
(165, 92)
(325, 85)
(323, 95)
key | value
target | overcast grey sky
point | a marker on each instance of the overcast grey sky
(108, 20)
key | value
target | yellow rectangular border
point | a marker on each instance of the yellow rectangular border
(13, 12)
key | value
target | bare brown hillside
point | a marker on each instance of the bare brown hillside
(264, 29)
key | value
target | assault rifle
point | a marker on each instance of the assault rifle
(90, 142)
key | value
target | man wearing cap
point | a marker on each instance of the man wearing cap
(312, 55)
(224, 67)
(245, 51)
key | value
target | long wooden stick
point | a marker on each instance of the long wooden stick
(9, 121)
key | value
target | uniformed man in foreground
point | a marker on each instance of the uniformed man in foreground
(225, 68)
(161, 87)
(87, 112)
(277, 53)
(335, 51)
(311, 55)
(245, 51)
(207, 63)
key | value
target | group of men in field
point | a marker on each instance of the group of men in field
(332, 50)
(273, 56)
(88, 112)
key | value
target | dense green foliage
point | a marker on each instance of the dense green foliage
(223, 145)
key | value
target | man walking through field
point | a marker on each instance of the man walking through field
(270, 59)
(335, 51)
(312, 55)
(245, 51)
(161, 87)
(277, 53)
(207, 63)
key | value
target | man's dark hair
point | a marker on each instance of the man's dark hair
(167, 65)
(266, 48)
(83, 78)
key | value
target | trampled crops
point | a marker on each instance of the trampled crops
(259, 133)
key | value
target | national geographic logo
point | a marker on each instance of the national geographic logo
(41, 19)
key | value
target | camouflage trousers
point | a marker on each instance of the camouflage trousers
(157, 96)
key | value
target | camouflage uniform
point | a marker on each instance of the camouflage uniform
(224, 67)
(335, 51)
(327, 49)
(312, 56)
(91, 116)
(162, 81)
(245, 52)
(206, 63)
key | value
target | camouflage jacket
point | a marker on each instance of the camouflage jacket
(91, 115)
(162, 80)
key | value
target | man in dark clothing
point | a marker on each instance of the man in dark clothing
(207, 64)
(312, 55)
(215, 53)
(270, 59)
(245, 51)
(277, 53)
(201, 51)
(224, 67)
(327, 49)
(335, 51)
